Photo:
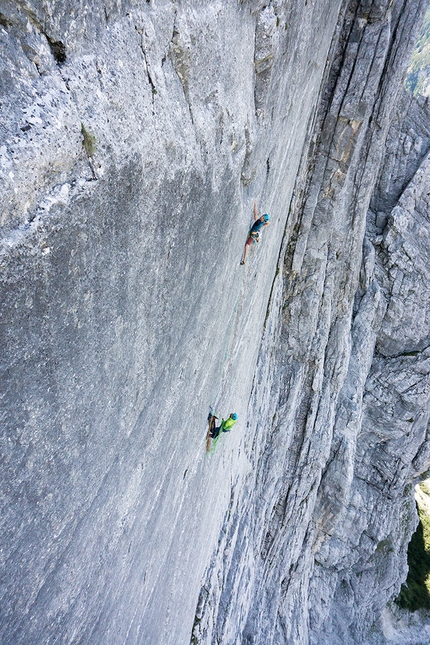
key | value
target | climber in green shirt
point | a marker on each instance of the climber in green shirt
(225, 426)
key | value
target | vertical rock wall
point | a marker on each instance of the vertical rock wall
(330, 495)
(135, 138)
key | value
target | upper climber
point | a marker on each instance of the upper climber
(254, 233)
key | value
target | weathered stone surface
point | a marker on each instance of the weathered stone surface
(125, 314)
(330, 499)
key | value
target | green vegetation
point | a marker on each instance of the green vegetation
(418, 75)
(88, 141)
(415, 594)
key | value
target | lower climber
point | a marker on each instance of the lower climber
(225, 426)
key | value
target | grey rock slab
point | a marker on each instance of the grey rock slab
(125, 315)
(326, 552)
(125, 312)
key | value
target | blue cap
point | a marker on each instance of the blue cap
(234, 416)
(266, 217)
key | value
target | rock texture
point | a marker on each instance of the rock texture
(330, 492)
(135, 138)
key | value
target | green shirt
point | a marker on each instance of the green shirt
(227, 425)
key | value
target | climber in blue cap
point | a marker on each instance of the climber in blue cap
(254, 233)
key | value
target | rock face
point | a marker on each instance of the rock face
(135, 138)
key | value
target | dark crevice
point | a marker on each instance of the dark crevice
(58, 50)
(4, 22)
(57, 47)
(147, 68)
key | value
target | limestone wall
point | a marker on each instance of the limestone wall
(135, 137)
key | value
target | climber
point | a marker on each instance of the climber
(254, 233)
(225, 426)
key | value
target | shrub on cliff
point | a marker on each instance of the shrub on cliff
(415, 594)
